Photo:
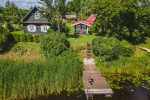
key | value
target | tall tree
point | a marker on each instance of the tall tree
(79, 7)
(55, 10)
(121, 18)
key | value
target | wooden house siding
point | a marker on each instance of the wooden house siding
(38, 29)
(35, 22)
(80, 30)
(84, 25)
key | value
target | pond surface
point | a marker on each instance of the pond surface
(132, 93)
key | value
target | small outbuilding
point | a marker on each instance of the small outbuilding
(82, 27)
(35, 22)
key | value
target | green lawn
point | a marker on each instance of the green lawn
(28, 51)
(80, 40)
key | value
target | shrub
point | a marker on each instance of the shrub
(16, 27)
(16, 37)
(36, 38)
(29, 38)
(23, 38)
(1, 47)
(54, 44)
(127, 51)
(110, 48)
(3, 37)
(107, 48)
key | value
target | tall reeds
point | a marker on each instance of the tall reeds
(28, 80)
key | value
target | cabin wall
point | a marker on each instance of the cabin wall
(79, 30)
(38, 29)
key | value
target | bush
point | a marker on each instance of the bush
(36, 38)
(16, 37)
(54, 44)
(3, 37)
(107, 48)
(127, 51)
(29, 38)
(23, 38)
(110, 48)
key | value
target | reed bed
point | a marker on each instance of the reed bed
(19, 80)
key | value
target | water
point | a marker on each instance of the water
(131, 93)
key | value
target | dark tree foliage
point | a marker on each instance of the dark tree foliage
(55, 11)
(3, 37)
(124, 19)
(11, 13)
(54, 44)
(79, 7)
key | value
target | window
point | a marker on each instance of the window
(78, 27)
(37, 15)
(31, 28)
(44, 28)
(84, 27)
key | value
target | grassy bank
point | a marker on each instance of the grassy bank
(30, 79)
(126, 71)
(28, 51)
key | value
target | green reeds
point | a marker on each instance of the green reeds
(28, 80)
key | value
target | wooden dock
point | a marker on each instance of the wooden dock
(94, 83)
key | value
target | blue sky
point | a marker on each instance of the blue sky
(23, 3)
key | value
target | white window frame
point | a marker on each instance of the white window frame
(31, 28)
(37, 15)
(44, 28)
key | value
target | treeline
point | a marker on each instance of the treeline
(124, 19)
(10, 16)
(11, 13)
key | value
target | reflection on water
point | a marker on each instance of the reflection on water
(132, 93)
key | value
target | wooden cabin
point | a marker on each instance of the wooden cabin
(35, 22)
(82, 27)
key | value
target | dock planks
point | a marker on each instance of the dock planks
(99, 86)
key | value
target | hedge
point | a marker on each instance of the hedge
(25, 38)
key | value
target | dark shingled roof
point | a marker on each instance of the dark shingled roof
(33, 22)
